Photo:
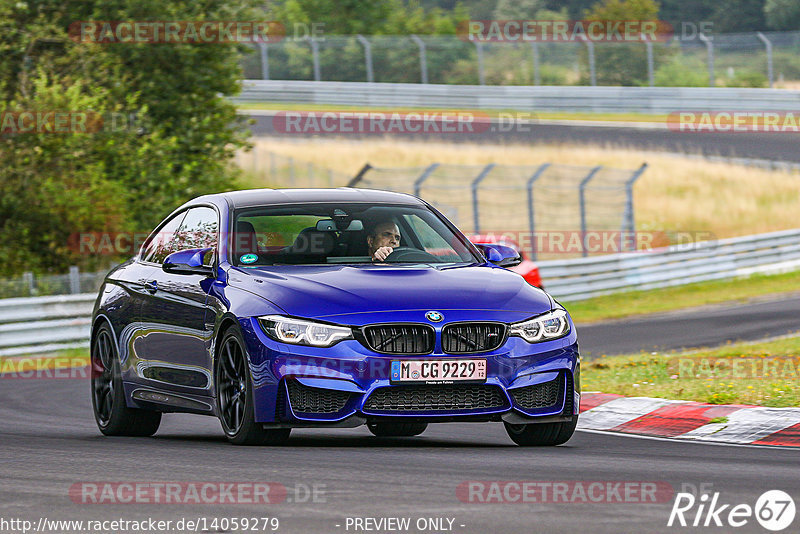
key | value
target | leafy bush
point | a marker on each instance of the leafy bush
(747, 78)
(54, 186)
(681, 72)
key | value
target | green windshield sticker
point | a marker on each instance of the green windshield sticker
(249, 258)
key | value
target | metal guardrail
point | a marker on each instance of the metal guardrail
(520, 98)
(583, 278)
(46, 324)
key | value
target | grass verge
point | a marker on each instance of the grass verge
(675, 194)
(63, 364)
(761, 374)
(621, 305)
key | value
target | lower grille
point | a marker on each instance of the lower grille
(539, 395)
(436, 398)
(306, 399)
(465, 338)
(400, 338)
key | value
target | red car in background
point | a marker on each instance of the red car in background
(527, 268)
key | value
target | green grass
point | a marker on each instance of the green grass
(661, 375)
(620, 305)
(61, 360)
(543, 115)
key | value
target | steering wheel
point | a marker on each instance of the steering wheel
(410, 254)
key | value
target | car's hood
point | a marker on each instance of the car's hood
(368, 294)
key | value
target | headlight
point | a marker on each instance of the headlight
(300, 332)
(551, 325)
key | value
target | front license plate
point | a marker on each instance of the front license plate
(438, 371)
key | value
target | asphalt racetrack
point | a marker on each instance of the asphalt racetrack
(49, 443)
(768, 146)
(707, 326)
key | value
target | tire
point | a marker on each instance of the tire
(112, 414)
(396, 430)
(541, 434)
(235, 404)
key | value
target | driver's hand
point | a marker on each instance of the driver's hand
(382, 253)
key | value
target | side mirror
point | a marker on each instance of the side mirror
(188, 261)
(500, 255)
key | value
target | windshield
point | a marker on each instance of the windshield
(314, 234)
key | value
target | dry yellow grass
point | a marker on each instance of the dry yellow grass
(674, 194)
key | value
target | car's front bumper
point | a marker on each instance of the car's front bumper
(347, 384)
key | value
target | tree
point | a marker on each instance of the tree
(734, 16)
(53, 186)
(518, 9)
(622, 63)
(782, 14)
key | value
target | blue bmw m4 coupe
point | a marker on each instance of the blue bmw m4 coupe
(328, 308)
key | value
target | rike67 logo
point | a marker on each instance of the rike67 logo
(774, 510)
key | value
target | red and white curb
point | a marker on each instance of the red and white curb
(754, 425)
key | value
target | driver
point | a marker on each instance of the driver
(382, 240)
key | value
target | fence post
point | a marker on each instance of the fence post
(768, 44)
(367, 56)
(262, 48)
(628, 222)
(531, 219)
(422, 177)
(315, 58)
(423, 58)
(74, 280)
(481, 74)
(358, 177)
(537, 75)
(582, 198)
(651, 78)
(475, 184)
(710, 48)
(592, 69)
(27, 279)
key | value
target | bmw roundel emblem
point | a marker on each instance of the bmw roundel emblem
(434, 316)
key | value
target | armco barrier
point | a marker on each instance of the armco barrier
(520, 98)
(577, 279)
(45, 324)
